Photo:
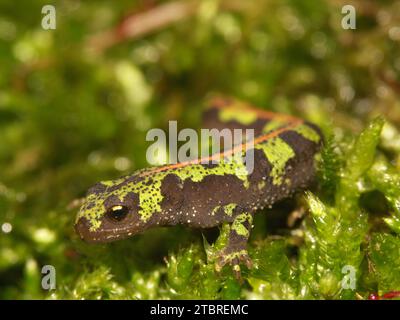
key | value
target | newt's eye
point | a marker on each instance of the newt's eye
(117, 213)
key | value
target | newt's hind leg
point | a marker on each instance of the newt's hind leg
(235, 252)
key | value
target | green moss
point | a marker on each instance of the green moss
(385, 256)
(385, 178)
(69, 119)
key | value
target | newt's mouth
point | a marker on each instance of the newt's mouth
(82, 227)
(102, 235)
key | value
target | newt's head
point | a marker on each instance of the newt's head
(110, 212)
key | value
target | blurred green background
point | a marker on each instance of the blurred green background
(76, 103)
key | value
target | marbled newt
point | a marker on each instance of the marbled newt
(202, 195)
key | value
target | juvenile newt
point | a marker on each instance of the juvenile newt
(207, 195)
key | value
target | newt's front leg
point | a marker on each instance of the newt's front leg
(235, 251)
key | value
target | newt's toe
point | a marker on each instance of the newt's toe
(234, 259)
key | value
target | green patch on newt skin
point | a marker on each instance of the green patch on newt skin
(237, 114)
(215, 210)
(278, 153)
(148, 189)
(238, 224)
(228, 209)
(198, 172)
(90, 211)
(272, 125)
(308, 133)
(95, 225)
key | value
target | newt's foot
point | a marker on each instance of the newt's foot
(234, 259)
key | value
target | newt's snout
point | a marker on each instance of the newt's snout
(82, 228)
